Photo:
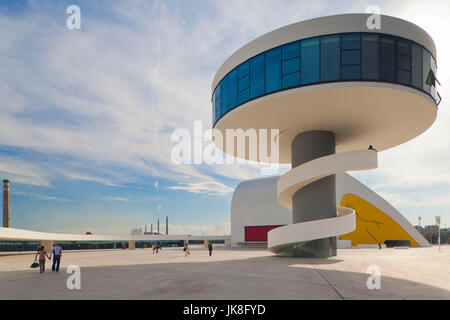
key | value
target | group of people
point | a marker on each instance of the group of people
(187, 252)
(156, 246)
(42, 254)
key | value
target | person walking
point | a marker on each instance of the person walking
(186, 249)
(210, 248)
(42, 254)
(57, 253)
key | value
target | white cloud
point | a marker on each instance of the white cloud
(208, 187)
(22, 172)
(123, 109)
(94, 231)
(111, 94)
(77, 176)
(197, 230)
(34, 196)
(222, 229)
(109, 198)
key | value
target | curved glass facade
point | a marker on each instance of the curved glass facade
(330, 58)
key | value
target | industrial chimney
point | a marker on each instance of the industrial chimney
(158, 226)
(167, 225)
(5, 203)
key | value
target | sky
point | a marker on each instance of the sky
(86, 116)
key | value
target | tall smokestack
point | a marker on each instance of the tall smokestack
(6, 203)
(158, 226)
(167, 225)
(151, 228)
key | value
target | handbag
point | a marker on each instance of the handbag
(35, 264)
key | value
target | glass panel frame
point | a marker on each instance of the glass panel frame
(310, 61)
(370, 57)
(330, 58)
(273, 70)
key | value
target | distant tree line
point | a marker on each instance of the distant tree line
(432, 236)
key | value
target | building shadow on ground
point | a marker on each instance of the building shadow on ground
(259, 278)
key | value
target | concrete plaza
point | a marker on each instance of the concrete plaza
(414, 273)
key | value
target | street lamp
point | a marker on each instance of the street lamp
(438, 223)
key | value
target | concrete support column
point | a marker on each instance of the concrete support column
(318, 199)
(206, 243)
(228, 243)
(131, 244)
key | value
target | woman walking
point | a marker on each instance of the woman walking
(42, 254)
(186, 249)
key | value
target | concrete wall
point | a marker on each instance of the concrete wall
(255, 203)
(347, 184)
(343, 244)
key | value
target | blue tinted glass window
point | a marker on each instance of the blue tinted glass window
(330, 58)
(273, 70)
(243, 70)
(370, 57)
(350, 41)
(403, 62)
(243, 83)
(292, 65)
(291, 50)
(403, 47)
(310, 60)
(215, 114)
(217, 100)
(426, 70)
(351, 57)
(232, 89)
(243, 96)
(224, 95)
(404, 76)
(257, 76)
(291, 80)
(417, 65)
(433, 79)
(387, 59)
(351, 72)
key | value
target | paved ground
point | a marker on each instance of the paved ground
(415, 273)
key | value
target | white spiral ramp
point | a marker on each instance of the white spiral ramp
(304, 174)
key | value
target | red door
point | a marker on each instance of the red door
(257, 233)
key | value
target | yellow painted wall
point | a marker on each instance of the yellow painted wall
(373, 226)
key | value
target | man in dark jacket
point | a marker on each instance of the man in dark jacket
(210, 247)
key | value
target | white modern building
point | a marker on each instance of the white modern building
(255, 211)
(48, 238)
(339, 93)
